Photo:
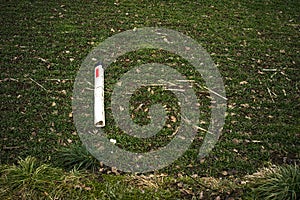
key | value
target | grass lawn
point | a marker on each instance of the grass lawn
(255, 45)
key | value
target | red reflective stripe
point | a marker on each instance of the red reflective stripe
(97, 72)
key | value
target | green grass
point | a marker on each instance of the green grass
(76, 157)
(31, 180)
(255, 45)
(35, 180)
(281, 182)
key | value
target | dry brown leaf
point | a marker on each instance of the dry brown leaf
(243, 82)
(173, 119)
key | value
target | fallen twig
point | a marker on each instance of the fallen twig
(215, 92)
(9, 148)
(269, 91)
(38, 84)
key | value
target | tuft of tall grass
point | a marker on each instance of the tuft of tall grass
(280, 182)
(76, 157)
(30, 179)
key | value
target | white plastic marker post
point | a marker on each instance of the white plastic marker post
(99, 116)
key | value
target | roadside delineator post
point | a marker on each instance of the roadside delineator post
(99, 115)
